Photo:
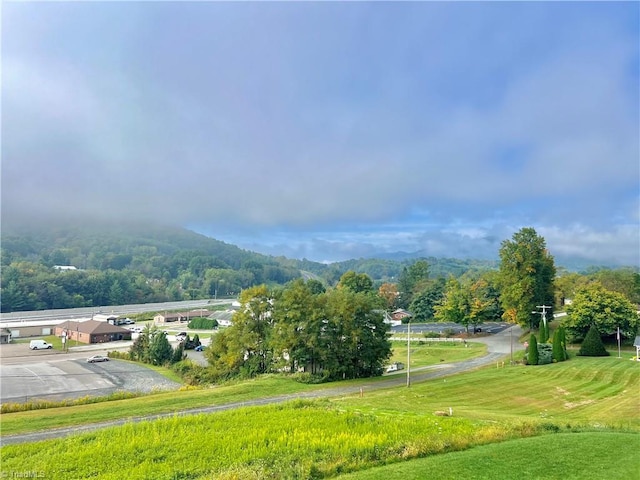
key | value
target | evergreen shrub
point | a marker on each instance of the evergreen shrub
(532, 358)
(592, 345)
(545, 354)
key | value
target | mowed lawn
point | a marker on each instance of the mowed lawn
(592, 390)
(425, 353)
(566, 456)
(493, 408)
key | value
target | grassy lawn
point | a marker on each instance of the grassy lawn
(427, 353)
(570, 456)
(52, 339)
(591, 390)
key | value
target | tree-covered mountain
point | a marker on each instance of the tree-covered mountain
(124, 263)
(117, 263)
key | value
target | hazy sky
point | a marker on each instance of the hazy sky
(331, 130)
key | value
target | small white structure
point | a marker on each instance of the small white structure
(636, 343)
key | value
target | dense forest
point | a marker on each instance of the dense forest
(121, 264)
(117, 264)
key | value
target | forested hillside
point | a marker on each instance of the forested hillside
(118, 264)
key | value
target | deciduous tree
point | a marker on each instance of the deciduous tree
(389, 293)
(356, 282)
(607, 310)
(455, 305)
(527, 273)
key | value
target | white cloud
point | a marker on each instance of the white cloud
(327, 117)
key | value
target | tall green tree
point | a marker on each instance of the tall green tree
(412, 280)
(299, 317)
(357, 335)
(160, 351)
(356, 282)
(455, 305)
(423, 306)
(607, 310)
(527, 273)
(225, 354)
(252, 326)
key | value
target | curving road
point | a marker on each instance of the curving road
(499, 346)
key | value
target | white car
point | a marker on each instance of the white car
(97, 358)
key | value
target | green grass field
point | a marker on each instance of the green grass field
(598, 390)
(431, 353)
(563, 456)
(505, 420)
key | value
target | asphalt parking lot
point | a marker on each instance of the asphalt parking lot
(27, 375)
(443, 327)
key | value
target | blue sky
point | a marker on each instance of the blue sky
(331, 130)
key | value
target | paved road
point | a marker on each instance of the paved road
(443, 327)
(499, 345)
(115, 309)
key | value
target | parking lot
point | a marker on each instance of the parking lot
(454, 328)
(27, 375)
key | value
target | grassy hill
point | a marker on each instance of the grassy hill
(497, 415)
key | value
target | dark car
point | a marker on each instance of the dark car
(97, 358)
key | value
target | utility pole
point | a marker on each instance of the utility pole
(408, 352)
(543, 313)
(511, 341)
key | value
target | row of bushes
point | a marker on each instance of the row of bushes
(544, 353)
(202, 323)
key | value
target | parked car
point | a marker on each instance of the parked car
(181, 336)
(97, 358)
(394, 367)
(39, 345)
(199, 348)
